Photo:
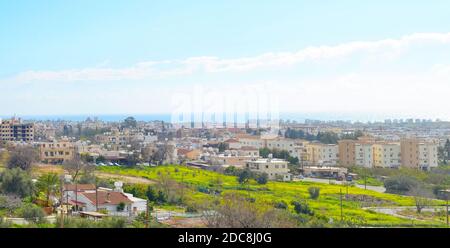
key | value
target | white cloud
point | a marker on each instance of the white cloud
(168, 68)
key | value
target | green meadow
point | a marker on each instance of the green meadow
(328, 204)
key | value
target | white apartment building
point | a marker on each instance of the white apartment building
(364, 155)
(428, 155)
(271, 143)
(276, 169)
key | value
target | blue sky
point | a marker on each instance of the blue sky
(114, 56)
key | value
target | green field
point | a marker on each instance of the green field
(328, 204)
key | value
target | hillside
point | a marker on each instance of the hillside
(327, 205)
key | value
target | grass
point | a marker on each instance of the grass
(371, 181)
(328, 204)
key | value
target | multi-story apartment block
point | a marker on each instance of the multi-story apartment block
(364, 154)
(387, 155)
(419, 153)
(356, 152)
(322, 154)
(271, 143)
(347, 152)
(56, 152)
(15, 130)
(276, 169)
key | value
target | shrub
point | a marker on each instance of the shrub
(161, 198)
(281, 205)
(400, 184)
(10, 202)
(32, 213)
(121, 206)
(302, 207)
(314, 192)
(244, 176)
(16, 181)
(151, 194)
(262, 178)
(191, 209)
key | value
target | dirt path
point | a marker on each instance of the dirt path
(125, 179)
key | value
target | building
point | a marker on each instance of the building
(276, 169)
(112, 201)
(387, 155)
(364, 154)
(322, 154)
(419, 153)
(356, 152)
(15, 130)
(56, 152)
(271, 143)
(347, 154)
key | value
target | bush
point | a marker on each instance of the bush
(161, 198)
(32, 213)
(400, 184)
(121, 207)
(138, 190)
(16, 181)
(22, 158)
(151, 194)
(301, 207)
(244, 176)
(314, 192)
(10, 202)
(191, 209)
(281, 205)
(262, 178)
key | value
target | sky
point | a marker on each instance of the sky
(376, 59)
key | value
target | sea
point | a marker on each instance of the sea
(167, 117)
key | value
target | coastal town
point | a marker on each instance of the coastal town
(81, 162)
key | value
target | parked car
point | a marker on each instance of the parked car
(110, 164)
(349, 178)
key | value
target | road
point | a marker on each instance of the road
(394, 211)
(327, 181)
(125, 179)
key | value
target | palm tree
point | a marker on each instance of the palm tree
(48, 183)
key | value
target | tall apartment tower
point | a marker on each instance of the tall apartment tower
(15, 130)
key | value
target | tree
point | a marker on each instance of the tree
(264, 152)
(129, 122)
(231, 170)
(421, 197)
(262, 178)
(16, 181)
(48, 183)
(314, 192)
(76, 167)
(161, 198)
(23, 158)
(151, 194)
(244, 176)
(236, 211)
(223, 146)
(121, 206)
